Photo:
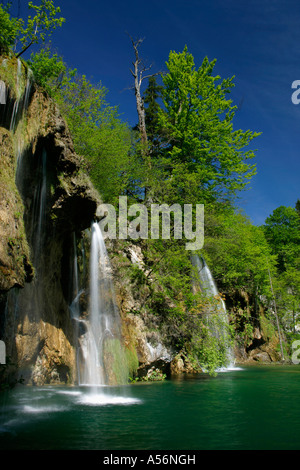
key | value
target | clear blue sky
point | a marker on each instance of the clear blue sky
(257, 41)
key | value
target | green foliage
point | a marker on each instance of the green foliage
(201, 150)
(238, 252)
(98, 132)
(35, 29)
(153, 375)
(152, 93)
(49, 70)
(282, 229)
(132, 362)
(208, 344)
(9, 28)
(297, 206)
(41, 25)
(115, 359)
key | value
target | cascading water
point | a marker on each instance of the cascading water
(101, 359)
(39, 209)
(2, 92)
(217, 317)
(17, 101)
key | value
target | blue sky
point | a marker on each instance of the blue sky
(257, 41)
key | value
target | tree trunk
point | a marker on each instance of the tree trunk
(137, 74)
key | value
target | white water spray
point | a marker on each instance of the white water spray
(101, 352)
(2, 92)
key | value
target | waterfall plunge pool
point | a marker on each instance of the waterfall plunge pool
(253, 407)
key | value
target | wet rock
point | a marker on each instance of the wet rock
(35, 270)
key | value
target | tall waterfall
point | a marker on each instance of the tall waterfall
(39, 207)
(217, 317)
(101, 356)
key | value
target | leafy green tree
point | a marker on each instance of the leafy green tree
(282, 229)
(9, 28)
(201, 152)
(238, 252)
(152, 94)
(35, 29)
(50, 70)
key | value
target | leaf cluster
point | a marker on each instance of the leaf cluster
(35, 29)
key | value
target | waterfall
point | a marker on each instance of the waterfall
(101, 358)
(28, 89)
(2, 92)
(39, 207)
(216, 317)
(17, 101)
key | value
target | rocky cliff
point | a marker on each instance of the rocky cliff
(45, 197)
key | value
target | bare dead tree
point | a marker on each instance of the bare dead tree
(137, 74)
(139, 68)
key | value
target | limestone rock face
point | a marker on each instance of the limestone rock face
(151, 353)
(44, 198)
(15, 265)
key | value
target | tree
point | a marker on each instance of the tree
(40, 26)
(282, 229)
(137, 73)
(298, 206)
(201, 152)
(50, 70)
(35, 29)
(239, 253)
(152, 93)
(9, 28)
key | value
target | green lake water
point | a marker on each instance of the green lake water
(252, 408)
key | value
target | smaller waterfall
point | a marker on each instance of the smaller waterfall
(39, 208)
(17, 101)
(101, 358)
(217, 317)
(28, 89)
(2, 92)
